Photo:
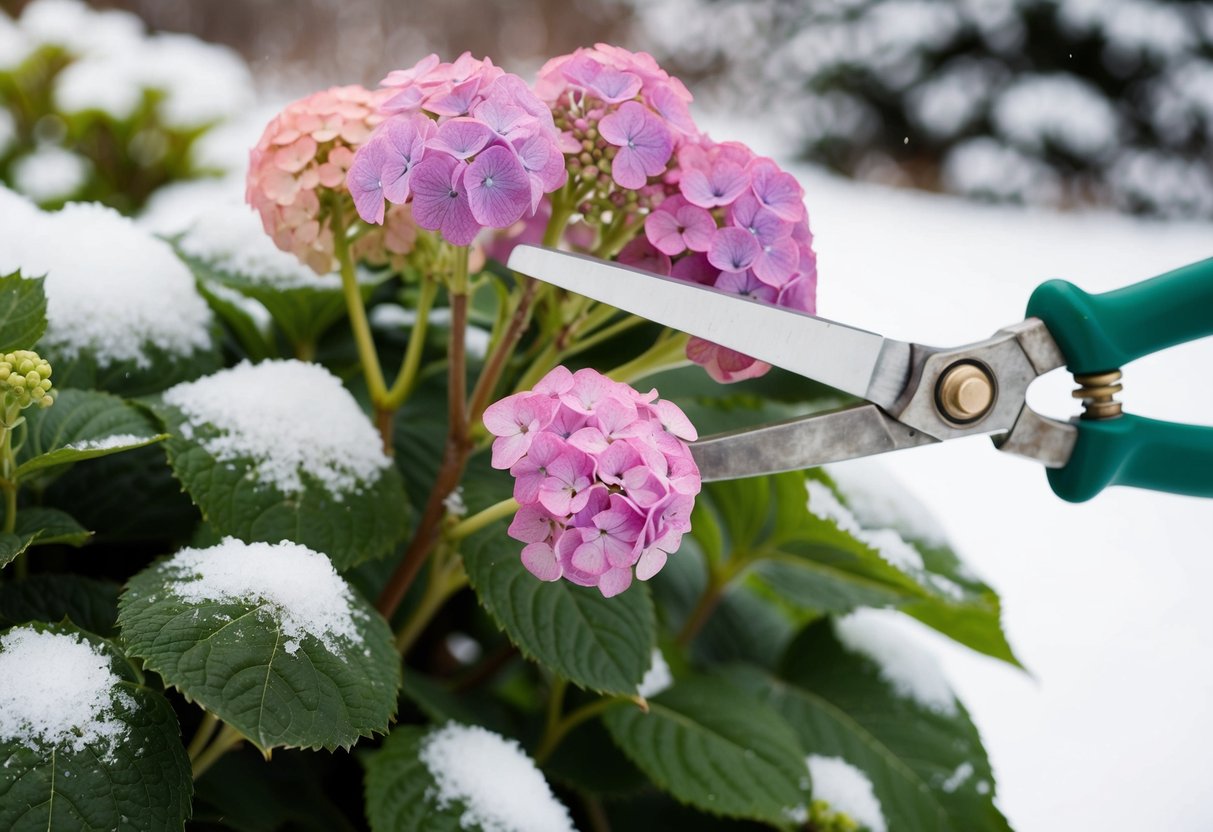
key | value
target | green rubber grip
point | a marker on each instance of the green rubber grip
(1136, 451)
(1099, 333)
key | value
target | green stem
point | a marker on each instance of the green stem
(447, 577)
(664, 355)
(720, 575)
(356, 310)
(480, 519)
(601, 335)
(616, 237)
(552, 738)
(228, 738)
(305, 349)
(206, 730)
(407, 375)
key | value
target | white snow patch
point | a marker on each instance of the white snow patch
(14, 45)
(1059, 109)
(463, 647)
(172, 209)
(499, 786)
(112, 289)
(846, 789)
(393, 316)
(657, 678)
(912, 672)
(57, 691)
(50, 173)
(987, 167)
(958, 777)
(879, 500)
(825, 505)
(230, 237)
(291, 419)
(302, 590)
(79, 29)
(105, 443)
(254, 309)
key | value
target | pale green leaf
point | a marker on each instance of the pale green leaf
(22, 312)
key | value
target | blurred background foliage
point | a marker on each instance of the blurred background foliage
(1064, 103)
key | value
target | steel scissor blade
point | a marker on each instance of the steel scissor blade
(852, 360)
(804, 442)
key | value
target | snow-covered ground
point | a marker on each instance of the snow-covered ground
(1106, 602)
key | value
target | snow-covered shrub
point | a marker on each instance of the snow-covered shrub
(93, 107)
(567, 624)
(1061, 102)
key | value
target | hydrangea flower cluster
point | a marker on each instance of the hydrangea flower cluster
(467, 144)
(738, 223)
(603, 475)
(305, 150)
(622, 119)
(25, 379)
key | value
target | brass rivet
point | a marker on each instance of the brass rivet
(965, 392)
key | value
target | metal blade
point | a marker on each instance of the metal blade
(852, 360)
(803, 443)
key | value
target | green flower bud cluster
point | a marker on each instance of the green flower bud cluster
(823, 819)
(25, 379)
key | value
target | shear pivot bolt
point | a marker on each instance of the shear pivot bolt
(966, 392)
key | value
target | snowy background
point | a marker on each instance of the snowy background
(1104, 602)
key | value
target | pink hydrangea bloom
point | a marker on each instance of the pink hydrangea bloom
(306, 151)
(603, 474)
(623, 119)
(738, 224)
(466, 143)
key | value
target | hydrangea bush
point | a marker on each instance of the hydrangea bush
(94, 108)
(320, 472)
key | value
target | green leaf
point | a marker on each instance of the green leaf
(128, 497)
(144, 783)
(13, 546)
(926, 764)
(717, 748)
(302, 312)
(604, 644)
(349, 529)
(22, 312)
(765, 523)
(954, 602)
(51, 526)
(243, 326)
(158, 371)
(402, 794)
(88, 603)
(293, 792)
(400, 789)
(234, 660)
(80, 425)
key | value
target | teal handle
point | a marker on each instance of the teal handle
(1098, 333)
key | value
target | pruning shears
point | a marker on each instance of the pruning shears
(918, 395)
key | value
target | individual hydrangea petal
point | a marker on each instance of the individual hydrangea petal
(365, 182)
(778, 191)
(644, 143)
(540, 561)
(462, 138)
(499, 190)
(440, 199)
(733, 249)
(716, 186)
